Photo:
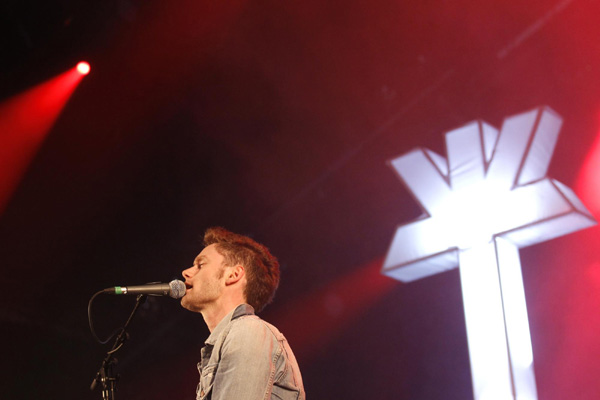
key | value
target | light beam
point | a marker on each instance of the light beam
(25, 120)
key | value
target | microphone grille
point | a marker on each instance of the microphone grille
(177, 289)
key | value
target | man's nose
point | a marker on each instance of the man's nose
(187, 273)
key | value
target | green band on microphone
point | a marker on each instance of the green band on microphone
(118, 290)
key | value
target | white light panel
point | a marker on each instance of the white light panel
(490, 197)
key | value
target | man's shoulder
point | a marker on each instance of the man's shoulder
(250, 336)
(253, 324)
(250, 321)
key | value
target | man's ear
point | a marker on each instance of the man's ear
(235, 274)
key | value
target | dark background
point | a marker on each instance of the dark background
(276, 119)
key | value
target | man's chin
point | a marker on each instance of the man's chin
(184, 303)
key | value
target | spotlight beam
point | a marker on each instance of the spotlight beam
(25, 120)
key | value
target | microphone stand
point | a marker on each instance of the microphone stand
(105, 373)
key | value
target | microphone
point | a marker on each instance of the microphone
(175, 289)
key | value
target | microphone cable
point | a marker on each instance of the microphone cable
(91, 322)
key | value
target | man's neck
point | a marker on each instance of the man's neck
(213, 316)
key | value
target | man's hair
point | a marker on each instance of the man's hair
(262, 268)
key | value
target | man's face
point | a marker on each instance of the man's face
(204, 279)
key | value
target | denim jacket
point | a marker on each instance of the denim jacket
(246, 358)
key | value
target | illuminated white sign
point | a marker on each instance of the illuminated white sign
(490, 197)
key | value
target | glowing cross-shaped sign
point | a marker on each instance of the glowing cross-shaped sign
(489, 198)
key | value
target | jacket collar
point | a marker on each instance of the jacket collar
(239, 311)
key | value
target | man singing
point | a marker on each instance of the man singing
(244, 358)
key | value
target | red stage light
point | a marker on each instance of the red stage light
(25, 120)
(83, 68)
